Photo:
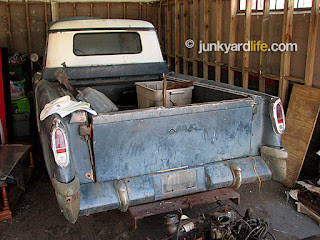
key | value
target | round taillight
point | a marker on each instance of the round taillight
(60, 147)
(277, 116)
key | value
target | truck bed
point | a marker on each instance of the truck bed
(216, 126)
(124, 94)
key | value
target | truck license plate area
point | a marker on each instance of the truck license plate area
(179, 182)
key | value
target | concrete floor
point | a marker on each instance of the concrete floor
(36, 216)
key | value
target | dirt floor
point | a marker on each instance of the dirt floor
(36, 216)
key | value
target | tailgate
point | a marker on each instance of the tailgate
(146, 141)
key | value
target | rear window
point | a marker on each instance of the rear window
(85, 44)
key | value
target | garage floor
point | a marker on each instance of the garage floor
(36, 216)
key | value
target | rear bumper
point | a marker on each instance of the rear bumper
(98, 197)
(276, 158)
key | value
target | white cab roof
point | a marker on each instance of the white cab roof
(100, 23)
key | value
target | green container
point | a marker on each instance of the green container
(21, 105)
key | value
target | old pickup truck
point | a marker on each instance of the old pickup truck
(121, 154)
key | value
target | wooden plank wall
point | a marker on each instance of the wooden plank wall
(24, 25)
(201, 17)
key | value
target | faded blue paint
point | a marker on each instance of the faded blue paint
(144, 146)
(97, 197)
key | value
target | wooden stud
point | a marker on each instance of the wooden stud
(28, 27)
(232, 39)
(195, 36)
(124, 11)
(206, 37)
(312, 42)
(9, 26)
(55, 11)
(5, 213)
(58, 10)
(264, 39)
(285, 56)
(74, 9)
(168, 33)
(155, 16)
(140, 11)
(46, 18)
(108, 10)
(5, 197)
(177, 36)
(185, 34)
(91, 9)
(218, 38)
(164, 90)
(161, 26)
(246, 54)
(149, 12)
(31, 160)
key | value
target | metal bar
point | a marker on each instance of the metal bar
(286, 56)
(218, 38)
(206, 37)
(91, 9)
(177, 36)
(186, 202)
(195, 36)
(264, 38)
(312, 42)
(232, 39)
(246, 54)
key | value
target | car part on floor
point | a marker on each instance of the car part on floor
(225, 224)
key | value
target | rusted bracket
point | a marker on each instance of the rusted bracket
(85, 132)
(61, 75)
(146, 210)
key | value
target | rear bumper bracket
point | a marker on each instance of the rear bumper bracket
(141, 211)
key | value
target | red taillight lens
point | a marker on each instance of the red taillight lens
(59, 139)
(61, 150)
(279, 113)
(277, 116)
(60, 146)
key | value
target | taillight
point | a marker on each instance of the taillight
(59, 146)
(277, 116)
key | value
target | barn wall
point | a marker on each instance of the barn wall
(23, 28)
